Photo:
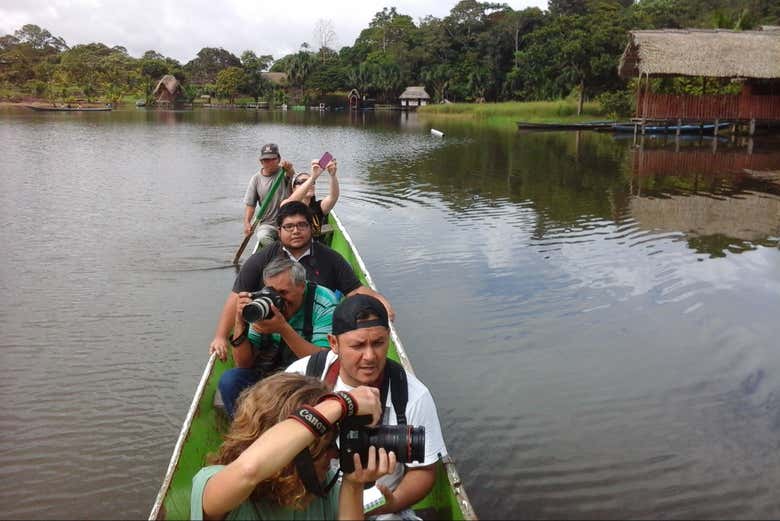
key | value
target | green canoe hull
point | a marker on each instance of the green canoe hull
(202, 431)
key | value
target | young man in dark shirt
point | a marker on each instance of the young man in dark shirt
(323, 266)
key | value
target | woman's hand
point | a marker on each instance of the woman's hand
(332, 167)
(368, 403)
(316, 169)
(379, 463)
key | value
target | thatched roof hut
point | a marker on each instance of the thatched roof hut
(750, 56)
(167, 89)
(417, 92)
(716, 53)
(414, 97)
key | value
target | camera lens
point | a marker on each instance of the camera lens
(406, 441)
(258, 309)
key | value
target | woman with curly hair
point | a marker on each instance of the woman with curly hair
(274, 461)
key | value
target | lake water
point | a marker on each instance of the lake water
(598, 322)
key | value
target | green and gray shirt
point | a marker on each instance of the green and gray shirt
(325, 302)
(319, 508)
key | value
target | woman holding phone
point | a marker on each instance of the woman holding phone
(304, 190)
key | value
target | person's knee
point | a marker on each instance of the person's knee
(227, 382)
(230, 385)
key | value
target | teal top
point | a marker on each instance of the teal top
(319, 508)
(322, 322)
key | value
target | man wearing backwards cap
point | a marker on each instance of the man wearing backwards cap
(360, 340)
(259, 185)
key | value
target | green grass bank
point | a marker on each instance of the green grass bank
(561, 111)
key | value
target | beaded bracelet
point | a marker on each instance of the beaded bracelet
(312, 420)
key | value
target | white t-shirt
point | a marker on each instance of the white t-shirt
(420, 411)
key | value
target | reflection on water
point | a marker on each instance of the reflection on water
(720, 198)
(596, 320)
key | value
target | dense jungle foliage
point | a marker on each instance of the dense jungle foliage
(480, 51)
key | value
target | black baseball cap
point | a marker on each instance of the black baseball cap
(346, 313)
(269, 151)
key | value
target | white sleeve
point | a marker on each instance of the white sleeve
(422, 412)
(299, 366)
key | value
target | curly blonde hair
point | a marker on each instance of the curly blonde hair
(260, 407)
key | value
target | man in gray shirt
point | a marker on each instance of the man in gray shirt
(259, 186)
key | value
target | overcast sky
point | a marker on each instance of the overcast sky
(180, 29)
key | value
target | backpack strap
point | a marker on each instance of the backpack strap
(316, 363)
(396, 382)
(308, 309)
(333, 373)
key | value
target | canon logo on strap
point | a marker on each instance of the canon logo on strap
(312, 420)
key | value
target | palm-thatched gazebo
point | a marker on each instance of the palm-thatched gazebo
(749, 57)
(414, 97)
(168, 89)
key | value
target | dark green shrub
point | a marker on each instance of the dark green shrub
(617, 104)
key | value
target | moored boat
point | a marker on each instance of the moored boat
(204, 424)
(590, 125)
(707, 128)
(68, 109)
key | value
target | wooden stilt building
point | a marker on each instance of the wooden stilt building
(751, 58)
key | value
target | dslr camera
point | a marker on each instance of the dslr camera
(260, 307)
(355, 436)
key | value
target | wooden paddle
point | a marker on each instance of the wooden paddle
(259, 213)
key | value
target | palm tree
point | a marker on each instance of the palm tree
(387, 79)
(362, 78)
(299, 68)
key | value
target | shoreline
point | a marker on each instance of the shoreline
(39, 103)
(560, 111)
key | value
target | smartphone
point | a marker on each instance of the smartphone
(372, 498)
(325, 159)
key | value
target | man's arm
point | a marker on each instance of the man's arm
(414, 486)
(242, 353)
(249, 212)
(365, 290)
(219, 344)
(248, 279)
(250, 201)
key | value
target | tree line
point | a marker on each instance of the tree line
(480, 51)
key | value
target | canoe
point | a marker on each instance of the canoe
(670, 129)
(204, 424)
(590, 125)
(68, 109)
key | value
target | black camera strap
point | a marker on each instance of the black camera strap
(304, 465)
(395, 381)
(308, 311)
